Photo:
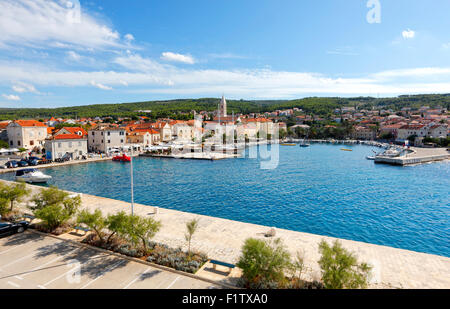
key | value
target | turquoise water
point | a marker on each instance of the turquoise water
(320, 190)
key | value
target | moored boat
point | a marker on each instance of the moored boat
(32, 175)
(122, 158)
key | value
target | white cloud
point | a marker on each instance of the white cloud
(73, 56)
(169, 56)
(100, 86)
(23, 87)
(145, 75)
(408, 34)
(129, 37)
(11, 97)
(42, 23)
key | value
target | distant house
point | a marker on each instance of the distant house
(71, 130)
(363, 133)
(406, 131)
(72, 145)
(144, 137)
(3, 131)
(103, 139)
(28, 134)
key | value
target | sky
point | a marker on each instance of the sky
(65, 53)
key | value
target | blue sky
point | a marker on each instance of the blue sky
(63, 53)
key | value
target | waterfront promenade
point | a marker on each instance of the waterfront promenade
(57, 164)
(222, 239)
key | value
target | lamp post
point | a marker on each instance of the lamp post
(132, 186)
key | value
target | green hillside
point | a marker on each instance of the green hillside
(173, 108)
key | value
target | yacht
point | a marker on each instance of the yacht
(32, 175)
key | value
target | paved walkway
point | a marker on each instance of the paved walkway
(222, 239)
(33, 261)
(56, 164)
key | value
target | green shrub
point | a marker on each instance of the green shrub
(140, 230)
(117, 225)
(53, 216)
(4, 209)
(163, 255)
(13, 193)
(191, 227)
(94, 221)
(264, 263)
(340, 268)
(54, 207)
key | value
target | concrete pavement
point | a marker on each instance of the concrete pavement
(34, 261)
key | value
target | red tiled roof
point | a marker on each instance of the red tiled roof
(68, 136)
(30, 123)
(75, 130)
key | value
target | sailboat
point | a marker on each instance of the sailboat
(303, 143)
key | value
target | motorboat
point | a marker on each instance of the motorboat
(32, 175)
(122, 158)
(370, 158)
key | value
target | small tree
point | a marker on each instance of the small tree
(264, 262)
(3, 206)
(140, 230)
(48, 197)
(14, 193)
(117, 224)
(54, 207)
(340, 268)
(191, 227)
(93, 220)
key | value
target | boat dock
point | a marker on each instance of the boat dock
(195, 156)
(418, 156)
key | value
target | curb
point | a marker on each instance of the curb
(193, 276)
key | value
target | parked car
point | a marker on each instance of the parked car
(33, 161)
(7, 228)
(23, 163)
(12, 164)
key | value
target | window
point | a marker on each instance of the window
(109, 133)
(109, 141)
(59, 145)
(121, 140)
(18, 143)
(11, 143)
(93, 133)
(31, 143)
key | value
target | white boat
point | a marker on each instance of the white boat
(370, 157)
(32, 175)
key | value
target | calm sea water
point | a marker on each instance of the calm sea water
(320, 190)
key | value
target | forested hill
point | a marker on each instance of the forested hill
(315, 105)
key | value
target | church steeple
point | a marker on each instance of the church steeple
(223, 107)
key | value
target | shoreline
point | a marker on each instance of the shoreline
(222, 239)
